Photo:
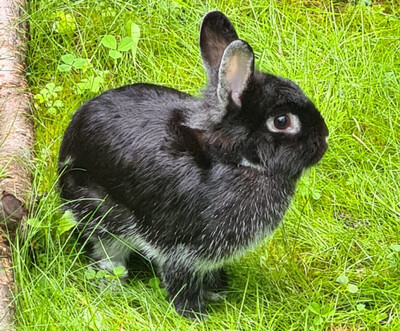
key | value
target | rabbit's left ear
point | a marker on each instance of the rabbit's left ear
(235, 71)
(216, 33)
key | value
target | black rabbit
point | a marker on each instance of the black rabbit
(190, 182)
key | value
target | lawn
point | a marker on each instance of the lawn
(333, 264)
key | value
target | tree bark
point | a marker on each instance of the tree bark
(16, 140)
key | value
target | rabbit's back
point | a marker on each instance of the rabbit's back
(124, 132)
(123, 120)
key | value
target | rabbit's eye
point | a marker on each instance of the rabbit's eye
(282, 122)
(288, 123)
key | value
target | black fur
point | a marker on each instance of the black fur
(189, 182)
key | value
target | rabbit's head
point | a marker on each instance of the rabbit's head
(258, 120)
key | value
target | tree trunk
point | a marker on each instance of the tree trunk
(16, 139)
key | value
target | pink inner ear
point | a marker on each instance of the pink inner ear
(238, 83)
(236, 98)
(238, 74)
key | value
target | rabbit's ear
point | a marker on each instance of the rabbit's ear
(216, 33)
(235, 71)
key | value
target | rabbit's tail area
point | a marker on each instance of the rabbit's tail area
(94, 210)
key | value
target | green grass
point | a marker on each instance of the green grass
(344, 220)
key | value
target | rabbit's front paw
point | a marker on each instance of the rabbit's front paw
(193, 308)
(184, 288)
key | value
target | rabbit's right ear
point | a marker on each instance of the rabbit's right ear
(235, 72)
(216, 33)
